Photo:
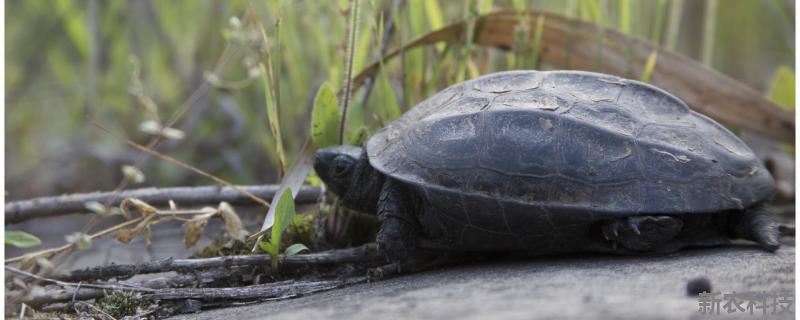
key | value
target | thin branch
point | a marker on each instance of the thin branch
(261, 291)
(68, 246)
(69, 293)
(196, 170)
(363, 254)
(16, 212)
(85, 285)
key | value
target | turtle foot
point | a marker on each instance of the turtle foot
(641, 233)
(756, 224)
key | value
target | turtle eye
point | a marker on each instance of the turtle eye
(341, 165)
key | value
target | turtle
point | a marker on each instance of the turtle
(553, 162)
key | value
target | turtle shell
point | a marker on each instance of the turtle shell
(570, 140)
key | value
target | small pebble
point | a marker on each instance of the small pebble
(697, 285)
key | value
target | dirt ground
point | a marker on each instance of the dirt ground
(585, 287)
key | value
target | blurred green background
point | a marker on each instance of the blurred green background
(120, 64)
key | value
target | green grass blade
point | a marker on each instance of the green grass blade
(352, 39)
(625, 16)
(433, 11)
(537, 41)
(709, 32)
(272, 119)
(674, 24)
(658, 21)
(649, 66)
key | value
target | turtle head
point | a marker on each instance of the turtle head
(346, 171)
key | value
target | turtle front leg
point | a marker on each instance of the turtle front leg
(399, 231)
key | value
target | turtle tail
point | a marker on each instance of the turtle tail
(756, 224)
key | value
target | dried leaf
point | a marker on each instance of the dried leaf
(19, 283)
(133, 206)
(232, 222)
(194, 229)
(133, 174)
(148, 234)
(81, 240)
(151, 127)
(45, 265)
(125, 236)
(173, 134)
(28, 262)
(96, 207)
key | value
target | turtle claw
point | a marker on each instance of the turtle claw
(635, 228)
(611, 230)
(381, 272)
(641, 233)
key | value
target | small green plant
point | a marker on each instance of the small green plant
(284, 214)
(21, 239)
(119, 304)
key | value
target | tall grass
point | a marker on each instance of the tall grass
(48, 68)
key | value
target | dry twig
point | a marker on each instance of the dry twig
(20, 211)
(363, 254)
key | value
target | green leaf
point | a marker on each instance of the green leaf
(284, 213)
(325, 118)
(74, 25)
(358, 137)
(781, 89)
(21, 239)
(295, 249)
(267, 247)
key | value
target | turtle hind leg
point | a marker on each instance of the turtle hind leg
(641, 233)
(756, 224)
